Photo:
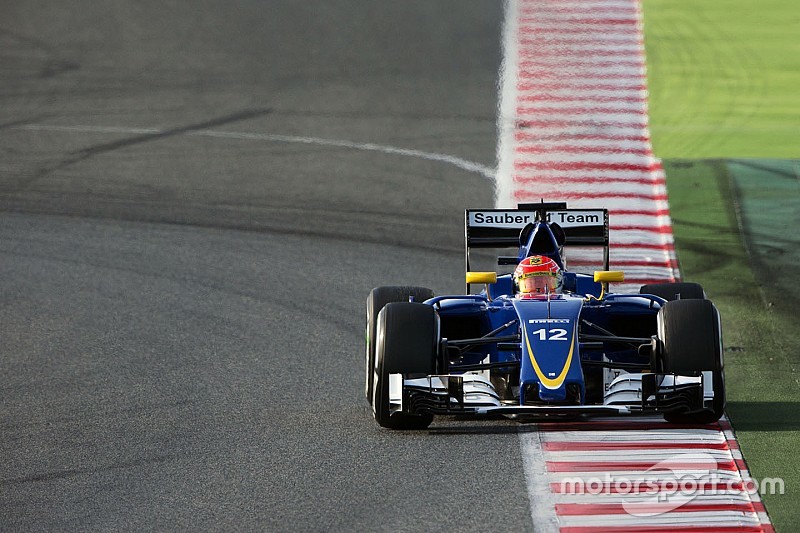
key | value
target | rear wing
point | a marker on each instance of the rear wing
(500, 228)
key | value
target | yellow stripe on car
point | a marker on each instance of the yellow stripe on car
(550, 383)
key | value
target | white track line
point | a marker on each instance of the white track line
(541, 497)
(507, 115)
(463, 164)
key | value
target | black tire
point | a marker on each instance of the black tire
(691, 343)
(675, 291)
(407, 336)
(379, 297)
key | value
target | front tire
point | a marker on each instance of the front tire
(406, 343)
(377, 299)
(691, 338)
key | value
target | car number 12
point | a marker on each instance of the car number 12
(555, 334)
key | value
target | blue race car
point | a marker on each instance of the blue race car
(542, 342)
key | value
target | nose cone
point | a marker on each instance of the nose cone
(550, 353)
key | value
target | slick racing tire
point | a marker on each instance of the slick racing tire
(675, 291)
(691, 343)
(406, 341)
(377, 298)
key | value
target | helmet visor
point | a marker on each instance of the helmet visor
(538, 282)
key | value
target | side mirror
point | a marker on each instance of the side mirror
(609, 276)
(481, 277)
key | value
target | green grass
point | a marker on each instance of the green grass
(761, 361)
(724, 78)
(724, 81)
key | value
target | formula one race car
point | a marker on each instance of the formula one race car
(542, 342)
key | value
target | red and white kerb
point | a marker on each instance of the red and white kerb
(574, 126)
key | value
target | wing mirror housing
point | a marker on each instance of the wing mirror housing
(609, 276)
(604, 277)
(481, 277)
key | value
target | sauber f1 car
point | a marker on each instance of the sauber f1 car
(568, 349)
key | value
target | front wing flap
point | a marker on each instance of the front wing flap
(474, 394)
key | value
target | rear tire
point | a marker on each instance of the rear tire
(377, 299)
(691, 339)
(675, 291)
(406, 343)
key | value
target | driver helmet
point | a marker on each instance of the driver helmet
(538, 275)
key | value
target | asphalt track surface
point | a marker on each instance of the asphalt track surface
(183, 296)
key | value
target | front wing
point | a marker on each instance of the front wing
(474, 394)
